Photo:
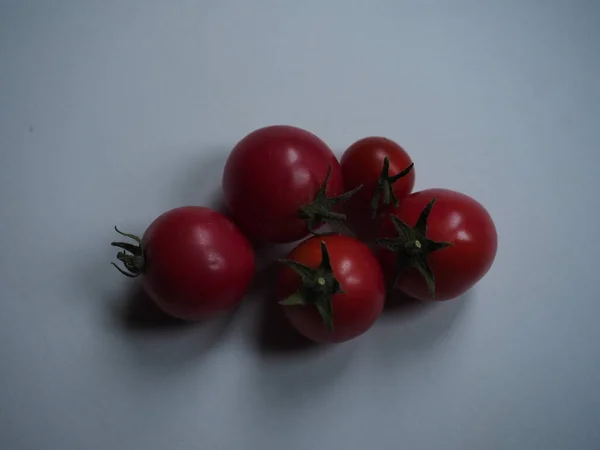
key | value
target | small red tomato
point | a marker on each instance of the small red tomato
(385, 171)
(439, 243)
(331, 288)
(281, 182)
(195, 262)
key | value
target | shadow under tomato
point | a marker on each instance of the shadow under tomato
(410, 327)
(264, 280)
(399, 304)
(267, 268)
(139, 313)
(275, 334)
(157, 340)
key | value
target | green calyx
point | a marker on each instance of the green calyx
(412, 247)
(321, 209)
(132, 255)
(385, 186)
(318, 287)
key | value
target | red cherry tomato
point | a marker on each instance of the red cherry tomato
(273, 173)
(194, 261)
(332, 288)
(453, 246)
(384, 183)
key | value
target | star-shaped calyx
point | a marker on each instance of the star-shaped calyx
(132, 256)
(321, 209)
(318, 286)
(384, 191)
(412, 247)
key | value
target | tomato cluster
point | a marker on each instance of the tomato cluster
(283, 184)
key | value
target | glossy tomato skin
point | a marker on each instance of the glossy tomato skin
(198, 263)
(361, 164)
(270, 174)
(358, 271)
(455, 218)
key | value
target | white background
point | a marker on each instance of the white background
(112, 112)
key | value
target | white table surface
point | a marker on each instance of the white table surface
(112, 112)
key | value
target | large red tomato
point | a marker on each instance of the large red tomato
(331, 288)
(276, 184)
(195, 262)
(385, 171)
(439, 243)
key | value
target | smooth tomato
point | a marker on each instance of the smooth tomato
(332, 288)
(195, 262)
(384, 169)
(453, 246)
(272, 174)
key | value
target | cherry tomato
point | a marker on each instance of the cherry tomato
(332, 288)
(439, 243)
(276, 184)
(194, 261)
(385, 171)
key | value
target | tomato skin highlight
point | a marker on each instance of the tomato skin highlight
(357, 270)
(361, 164)
(270, 174)
(198, 263)
(455, 218)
